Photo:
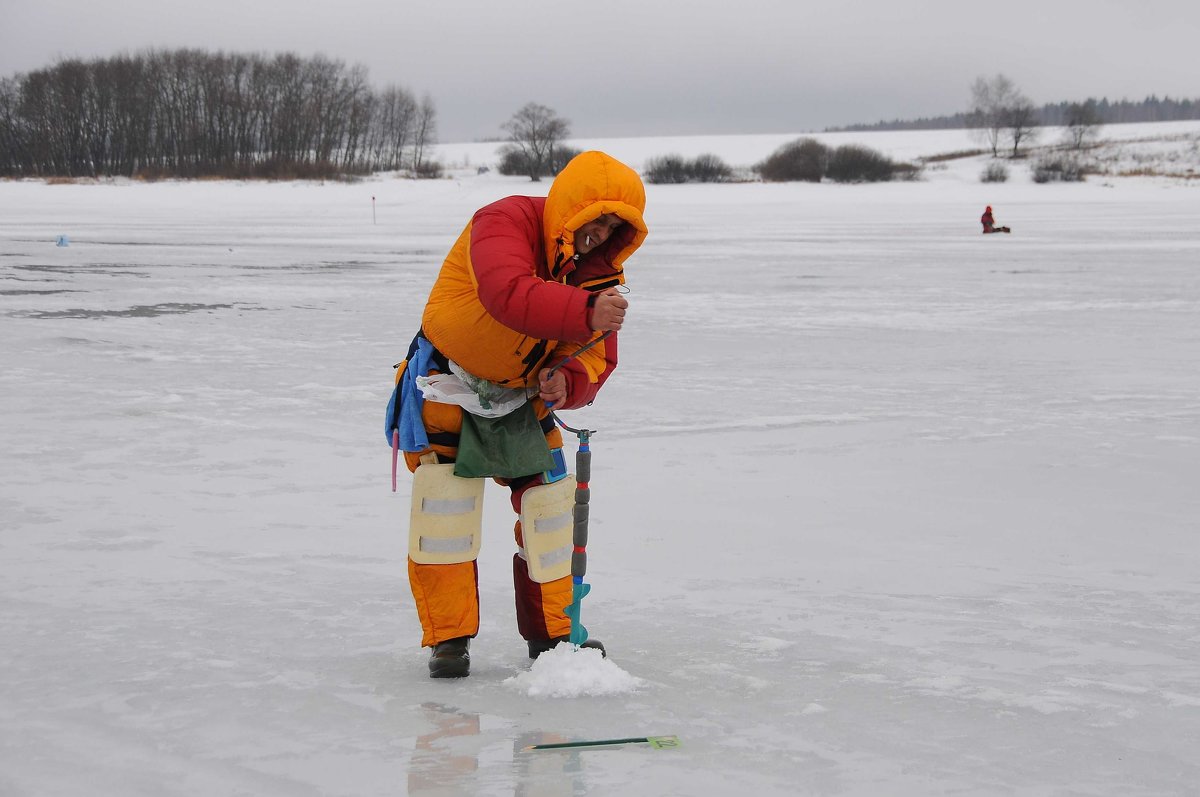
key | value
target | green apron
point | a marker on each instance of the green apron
(507, 447)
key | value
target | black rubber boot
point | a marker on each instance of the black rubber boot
(539, 646)
(450, 659)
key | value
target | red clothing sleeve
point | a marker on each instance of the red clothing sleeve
(508, 267)
(581, 390)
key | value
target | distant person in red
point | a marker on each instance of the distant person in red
(989, 223)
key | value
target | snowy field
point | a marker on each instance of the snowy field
(881, 506)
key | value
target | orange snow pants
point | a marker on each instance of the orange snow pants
(447, 596)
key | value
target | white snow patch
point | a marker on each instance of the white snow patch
(1177, 699)
(565, 671)
(295, 679)
(938, 683)
(766, 644)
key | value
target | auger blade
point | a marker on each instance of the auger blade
(579, 634)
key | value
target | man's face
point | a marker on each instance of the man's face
(596, 232)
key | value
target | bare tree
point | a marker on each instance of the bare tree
(424, 133)
(990, 98)
(191, 113)
(394, 120)
(1082, 122)
(1021, 123)
(359, 103)
(14, 159)
(534, 131)
(999, 110)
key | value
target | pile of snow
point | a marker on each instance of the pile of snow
(567, 671)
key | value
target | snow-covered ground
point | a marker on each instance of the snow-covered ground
(880, 505)
(1171, 148)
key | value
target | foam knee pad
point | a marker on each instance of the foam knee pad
(447, 516)
(547, 528)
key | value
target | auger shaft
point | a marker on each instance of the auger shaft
(583, 495)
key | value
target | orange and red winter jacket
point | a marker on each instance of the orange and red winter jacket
(512, 298)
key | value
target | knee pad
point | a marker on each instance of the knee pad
(447, 516)
(547, 529)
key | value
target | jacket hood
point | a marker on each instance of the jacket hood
(590, 185)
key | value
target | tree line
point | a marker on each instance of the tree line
(1150, 109)
(192, 113)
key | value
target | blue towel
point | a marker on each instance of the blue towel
(408, 418)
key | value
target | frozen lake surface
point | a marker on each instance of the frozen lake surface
(880, 505)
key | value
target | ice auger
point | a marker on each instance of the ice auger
(583, 495)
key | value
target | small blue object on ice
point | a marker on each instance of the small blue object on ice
(63, 241)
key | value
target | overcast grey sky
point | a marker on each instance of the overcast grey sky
(659, 67)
